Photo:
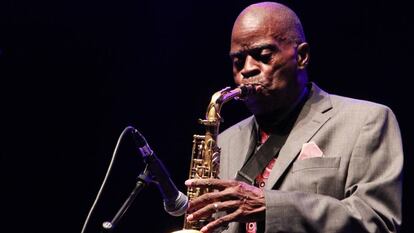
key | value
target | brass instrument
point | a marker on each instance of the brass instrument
(205, 153)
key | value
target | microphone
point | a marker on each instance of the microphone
(175, 202)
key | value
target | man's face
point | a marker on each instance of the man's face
(260, 54)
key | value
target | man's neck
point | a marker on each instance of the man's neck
(277, 119)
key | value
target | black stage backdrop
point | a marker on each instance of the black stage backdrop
(75, 73)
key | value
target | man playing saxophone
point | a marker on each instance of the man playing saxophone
(335, 163)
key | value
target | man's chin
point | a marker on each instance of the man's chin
(259, 108)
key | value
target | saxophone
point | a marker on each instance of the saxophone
(205, 159)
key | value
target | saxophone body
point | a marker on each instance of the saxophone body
(205, 161)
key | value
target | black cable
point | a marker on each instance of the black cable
(114, 154)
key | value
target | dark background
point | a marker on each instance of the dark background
(75, 73)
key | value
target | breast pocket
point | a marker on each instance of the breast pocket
(317, 175)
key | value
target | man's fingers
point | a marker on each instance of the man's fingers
(212, 208)
(211, 183)
(206, 211)
(204, 200)
(222, 221)
(208, 198)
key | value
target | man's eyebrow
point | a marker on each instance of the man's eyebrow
(251, 49)
(235, 54)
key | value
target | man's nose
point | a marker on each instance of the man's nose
(251, 67)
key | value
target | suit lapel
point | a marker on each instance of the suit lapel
(241, 146)
(311, 118)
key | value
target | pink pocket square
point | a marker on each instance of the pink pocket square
(310, 150)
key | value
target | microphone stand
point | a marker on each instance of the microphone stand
(143, 180)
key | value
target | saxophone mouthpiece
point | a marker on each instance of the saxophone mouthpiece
(247, 90)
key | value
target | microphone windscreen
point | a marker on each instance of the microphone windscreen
(177, 207)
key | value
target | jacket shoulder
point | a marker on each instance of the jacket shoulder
(355, 106)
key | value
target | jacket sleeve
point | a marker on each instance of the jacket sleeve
(373, 189)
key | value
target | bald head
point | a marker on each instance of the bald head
(277, 19)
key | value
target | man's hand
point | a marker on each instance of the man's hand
(240, 201)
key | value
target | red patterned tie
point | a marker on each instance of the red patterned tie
(251, 227)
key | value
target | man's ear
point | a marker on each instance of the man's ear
(303, 55)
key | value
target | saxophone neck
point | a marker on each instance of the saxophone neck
(228, 94)
(221, 97)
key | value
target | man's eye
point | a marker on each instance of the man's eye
(262, 55)
(265, 55)
(238, 62)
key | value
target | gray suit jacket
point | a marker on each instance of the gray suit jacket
(354, 187)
